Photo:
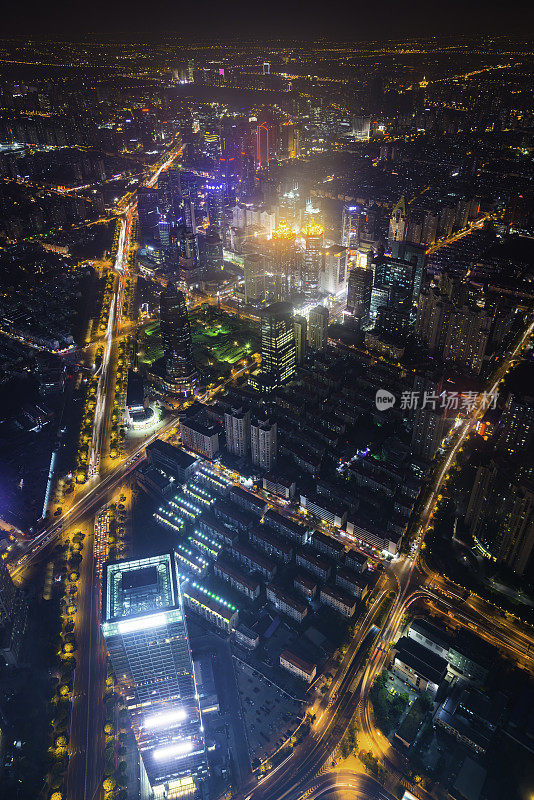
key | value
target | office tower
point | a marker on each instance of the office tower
(210, 252)
(254, 271)
(318, 327)
(266, 68)
(180, 368)
(332, 277)
(395, 275)
(215, 207)
(289, 140)
(263, 440)
(414, 255)
(277, 344)
(313, 234)
(188, 215)
(300, 326)
(515, 432)
(350, 226)
(285, 261)
(398, 223)
(212, 145)
(144, 628)
(262, 145)
(13, 617)
(429, 429)
(500, 515)
(237, 430)
(147, 210)
(359, 290)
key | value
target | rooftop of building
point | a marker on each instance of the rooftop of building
(423, 661)
(138, 587)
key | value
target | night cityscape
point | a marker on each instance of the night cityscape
(266, 403)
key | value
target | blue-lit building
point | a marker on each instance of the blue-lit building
(146, 635)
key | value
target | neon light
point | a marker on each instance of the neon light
(165, 718)
(173, 750)
(142, 623)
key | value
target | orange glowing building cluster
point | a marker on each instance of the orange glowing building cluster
(312, 229)
(283, 231)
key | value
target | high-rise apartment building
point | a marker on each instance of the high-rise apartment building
(263, 440)
(237, 430)
(458, 333)
(144, 628)
(500, 515)
(515, 431)
(429, 429)
(180, 368)
(277, 344)
(318, 327)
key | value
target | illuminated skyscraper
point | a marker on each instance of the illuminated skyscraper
(145, 632)
(262, 145)
(177, 342)
(398, 223)
(350, 236)
(286, 262)
(313, 234)
(277, 344)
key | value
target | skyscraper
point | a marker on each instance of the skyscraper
(254, 272)
(300, 326)
(144, 628)
(500, 514)
(210, 252)
(350, 235)
(285, 261)
(318, 327)
(398, 223)
(277, 344)
(180, 368)
(313, 234)
(360, 285)
(262, 145)
(147, 210)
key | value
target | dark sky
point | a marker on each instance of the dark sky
(376, 19)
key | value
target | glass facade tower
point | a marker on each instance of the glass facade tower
(144, 628)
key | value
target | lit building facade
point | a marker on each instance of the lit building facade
(144, 628)
(180, 368)
(277, 344)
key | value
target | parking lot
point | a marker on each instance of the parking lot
(270, 715)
